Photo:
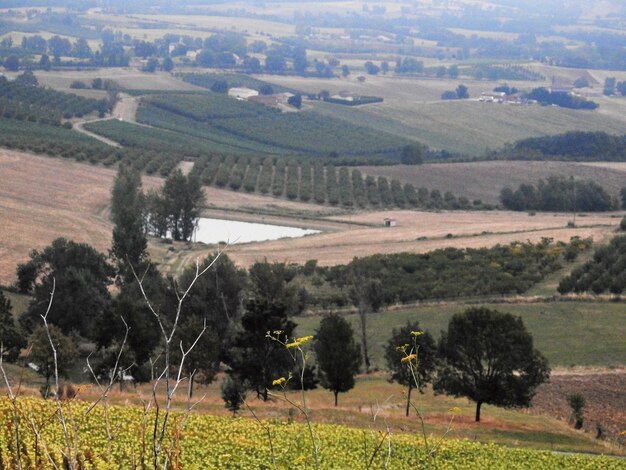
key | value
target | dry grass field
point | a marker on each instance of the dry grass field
(44, 198)
(129, 78)
(467, 229)
(485, 180)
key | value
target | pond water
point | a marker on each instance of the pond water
(219, 230)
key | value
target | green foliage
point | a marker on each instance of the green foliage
(578, 146)
(404, 342)
(413, 154)
(81, 277)
(176, 207)
(451, 272)
(558, 194)
(22, 100)
(292, 180)
(338, 355)
(564, 100)
(605, 272)
(233, 394)
(42, 355)
(223, 442)
(489, 357)
(247, 125)
(255, 359)
(11, 339)
(129, 244)
(577, 403)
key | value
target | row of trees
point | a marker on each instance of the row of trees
(559, 194)
(321, 183)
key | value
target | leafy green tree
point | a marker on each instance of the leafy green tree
(11, 340)
(413, 154)
(215, 300)
(82, 276)
(42, 356)
(129, 245)
(233, 394)
(255, 359)
(44, 62)
(300, 62)
(176, 207)
(12, 63)
(275, 62)
(338, 354)
(295, 101)
(462, 92)
(489, 358)
(130, 305)
(270, 282)
(406, 340)
(168, 64)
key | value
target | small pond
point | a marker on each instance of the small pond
(213, 231)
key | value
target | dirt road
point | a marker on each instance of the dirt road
(125, 110)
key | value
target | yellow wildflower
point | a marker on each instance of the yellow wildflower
(455, 410)
(295, 344)
(417, 333)
(408, 358)
(304, 339)
(280, 381)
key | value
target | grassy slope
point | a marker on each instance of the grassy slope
(485, 180)
(412, 108)
(595, 330)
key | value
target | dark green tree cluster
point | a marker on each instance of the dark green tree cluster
(577, 146)
(564, 100)
(485, 355)
(605, 272)
(558, 194)
(175, 208)
(450, 272)
(489, 357)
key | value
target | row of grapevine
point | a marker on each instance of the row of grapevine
(323, 184)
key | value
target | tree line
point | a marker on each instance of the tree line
(559, 194)
(576, 146)
(603, 273)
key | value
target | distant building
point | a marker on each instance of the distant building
(560, 88)
(389, 222)
(242, 93)
(492, 97)
(192, 54)
(271, 100)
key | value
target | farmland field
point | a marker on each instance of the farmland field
(219, 442)
(485, 180)
(595, 337)
(412, 108)
(47, 204)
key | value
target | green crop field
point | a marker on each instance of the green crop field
(219, 442)
(595, 330)
(251, 127)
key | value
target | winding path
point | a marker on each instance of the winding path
(125, 110)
